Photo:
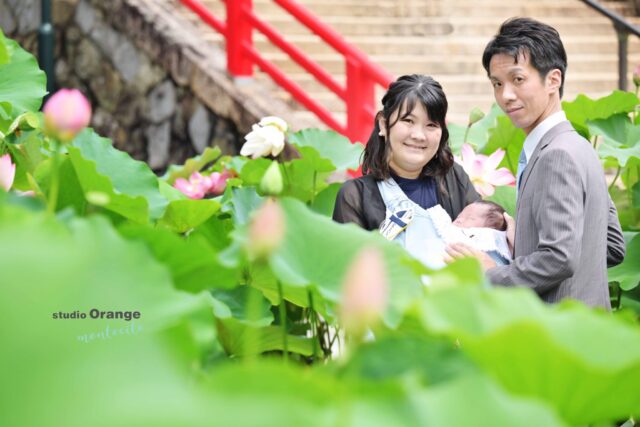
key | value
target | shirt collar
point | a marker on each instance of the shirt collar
(532, 140)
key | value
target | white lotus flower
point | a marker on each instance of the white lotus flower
(274, 121)
(266, 138)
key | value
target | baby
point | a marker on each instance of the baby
(482, 213)
(480, 225)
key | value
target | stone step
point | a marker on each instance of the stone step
(454, 45)
(386, 9)
(436, 27)
(405, 36)
(349, 26)
(459, 108)
(459, 84)
(435, 64)
(466, 92)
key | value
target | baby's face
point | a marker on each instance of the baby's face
(473, 215)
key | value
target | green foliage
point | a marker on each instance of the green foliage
(192, 262)
(506, 136)
(244, 340)
(192, 165)
(184, 215)
(316, 235)
(331, 146)
(506, 197)
(501, 329)
(627, 274)
(23, 84)
(584, 109)
(621, 138)
(130, 186)
(478, 134)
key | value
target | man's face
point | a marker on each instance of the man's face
(525, 96)
(473, 215)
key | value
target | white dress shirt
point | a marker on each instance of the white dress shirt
(532, 140)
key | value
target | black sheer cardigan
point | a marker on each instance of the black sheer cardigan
(359, 200)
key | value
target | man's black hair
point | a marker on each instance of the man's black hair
(525, 37)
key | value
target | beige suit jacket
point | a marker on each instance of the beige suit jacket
(563, 215)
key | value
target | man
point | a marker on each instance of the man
(566, 227)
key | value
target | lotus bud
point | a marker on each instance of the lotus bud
(636, 76)
(271, 183)
(7, 172)
(66, 113)
(475, 116)
(266, 230)
(364, 292)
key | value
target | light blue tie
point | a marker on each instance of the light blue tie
(522, 163)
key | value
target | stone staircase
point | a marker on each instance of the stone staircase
(442, 38)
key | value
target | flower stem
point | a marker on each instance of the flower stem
(635, 110)
(55, 179)
(314, 326)
(283, 323)
(615, 178)
(286, 176)
(466, 134)
(313, 193)
(252, 310)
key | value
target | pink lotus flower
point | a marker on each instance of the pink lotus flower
(364, 293)
(218, 182)
(266, 230)
(194, 188)
(198, 185)
(482, 170)
(66, 113)
(7, 172)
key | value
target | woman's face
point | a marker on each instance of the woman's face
(414, 141)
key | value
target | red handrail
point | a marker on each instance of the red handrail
(362, 74)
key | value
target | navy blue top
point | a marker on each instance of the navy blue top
(421, 191)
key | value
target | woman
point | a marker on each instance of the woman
(407, 167)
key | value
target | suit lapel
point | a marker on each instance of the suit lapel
(544, 142)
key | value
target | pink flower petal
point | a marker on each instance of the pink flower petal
(502, 176)
(7, 172)
(467, 152)
(494, 159)
(468, 156)
(218, 183)
(485, 189)
(477, 168)
(189, 190)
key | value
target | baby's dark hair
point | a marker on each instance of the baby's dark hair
(495, 215)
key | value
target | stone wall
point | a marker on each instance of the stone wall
(152, 94)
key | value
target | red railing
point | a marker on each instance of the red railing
(362, 74)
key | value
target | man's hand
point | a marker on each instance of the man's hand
(511, 232)
(460, 250)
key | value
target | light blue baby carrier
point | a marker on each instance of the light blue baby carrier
(425, 233)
